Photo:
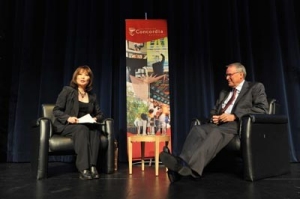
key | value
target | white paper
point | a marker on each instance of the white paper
(86, 119)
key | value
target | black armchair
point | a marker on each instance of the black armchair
(261, 143)
(47, 143)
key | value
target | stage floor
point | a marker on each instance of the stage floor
(63, 183)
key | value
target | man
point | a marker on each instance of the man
(158, 66)
(205, 141)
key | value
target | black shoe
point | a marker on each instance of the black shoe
(173, 176)
(94, 173)
(166, 149)
(85, 175)
(175, 163)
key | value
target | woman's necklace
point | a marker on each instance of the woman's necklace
(81, 94)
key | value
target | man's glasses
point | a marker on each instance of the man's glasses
(230, 74)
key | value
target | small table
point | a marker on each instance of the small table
(146, 138)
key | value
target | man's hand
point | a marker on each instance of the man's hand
(215, 119)
(225, 117)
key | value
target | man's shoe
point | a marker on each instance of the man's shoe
(85, 175)
(173, 176)
(166, 149)
(94, 173)
(175, 163)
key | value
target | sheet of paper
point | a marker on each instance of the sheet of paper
(86, 119)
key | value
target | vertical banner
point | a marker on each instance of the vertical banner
(147, 70)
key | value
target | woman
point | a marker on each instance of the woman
(73, 102)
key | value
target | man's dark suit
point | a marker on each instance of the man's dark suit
(158, 67)
(205, 141)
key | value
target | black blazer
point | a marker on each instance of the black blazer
(251, 100)
(67, 105)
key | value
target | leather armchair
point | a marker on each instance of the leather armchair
(261, 143)
(46, 143)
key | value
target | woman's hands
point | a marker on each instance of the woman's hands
(72, 120)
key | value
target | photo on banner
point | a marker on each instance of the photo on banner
(147, 77)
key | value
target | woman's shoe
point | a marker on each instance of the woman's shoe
(85, 175)
(94, 172)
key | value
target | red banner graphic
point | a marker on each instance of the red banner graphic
(145, 30)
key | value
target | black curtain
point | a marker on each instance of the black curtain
(42, 42)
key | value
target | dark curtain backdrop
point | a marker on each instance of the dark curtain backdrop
(42, 42)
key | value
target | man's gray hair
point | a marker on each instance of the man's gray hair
(239, 67)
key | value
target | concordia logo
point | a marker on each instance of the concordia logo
(146, 31)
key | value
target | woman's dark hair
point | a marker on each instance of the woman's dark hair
(82, 69)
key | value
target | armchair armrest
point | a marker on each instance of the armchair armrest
(42, 130)
(265, 148)
(107, 127)
(199, 121)
(266, 118)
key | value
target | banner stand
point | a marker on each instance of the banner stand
(147, 79)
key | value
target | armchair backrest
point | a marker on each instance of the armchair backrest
(47, 111)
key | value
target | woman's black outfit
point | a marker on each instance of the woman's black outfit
(86, 137)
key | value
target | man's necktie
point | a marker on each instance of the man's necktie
(230, 100)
